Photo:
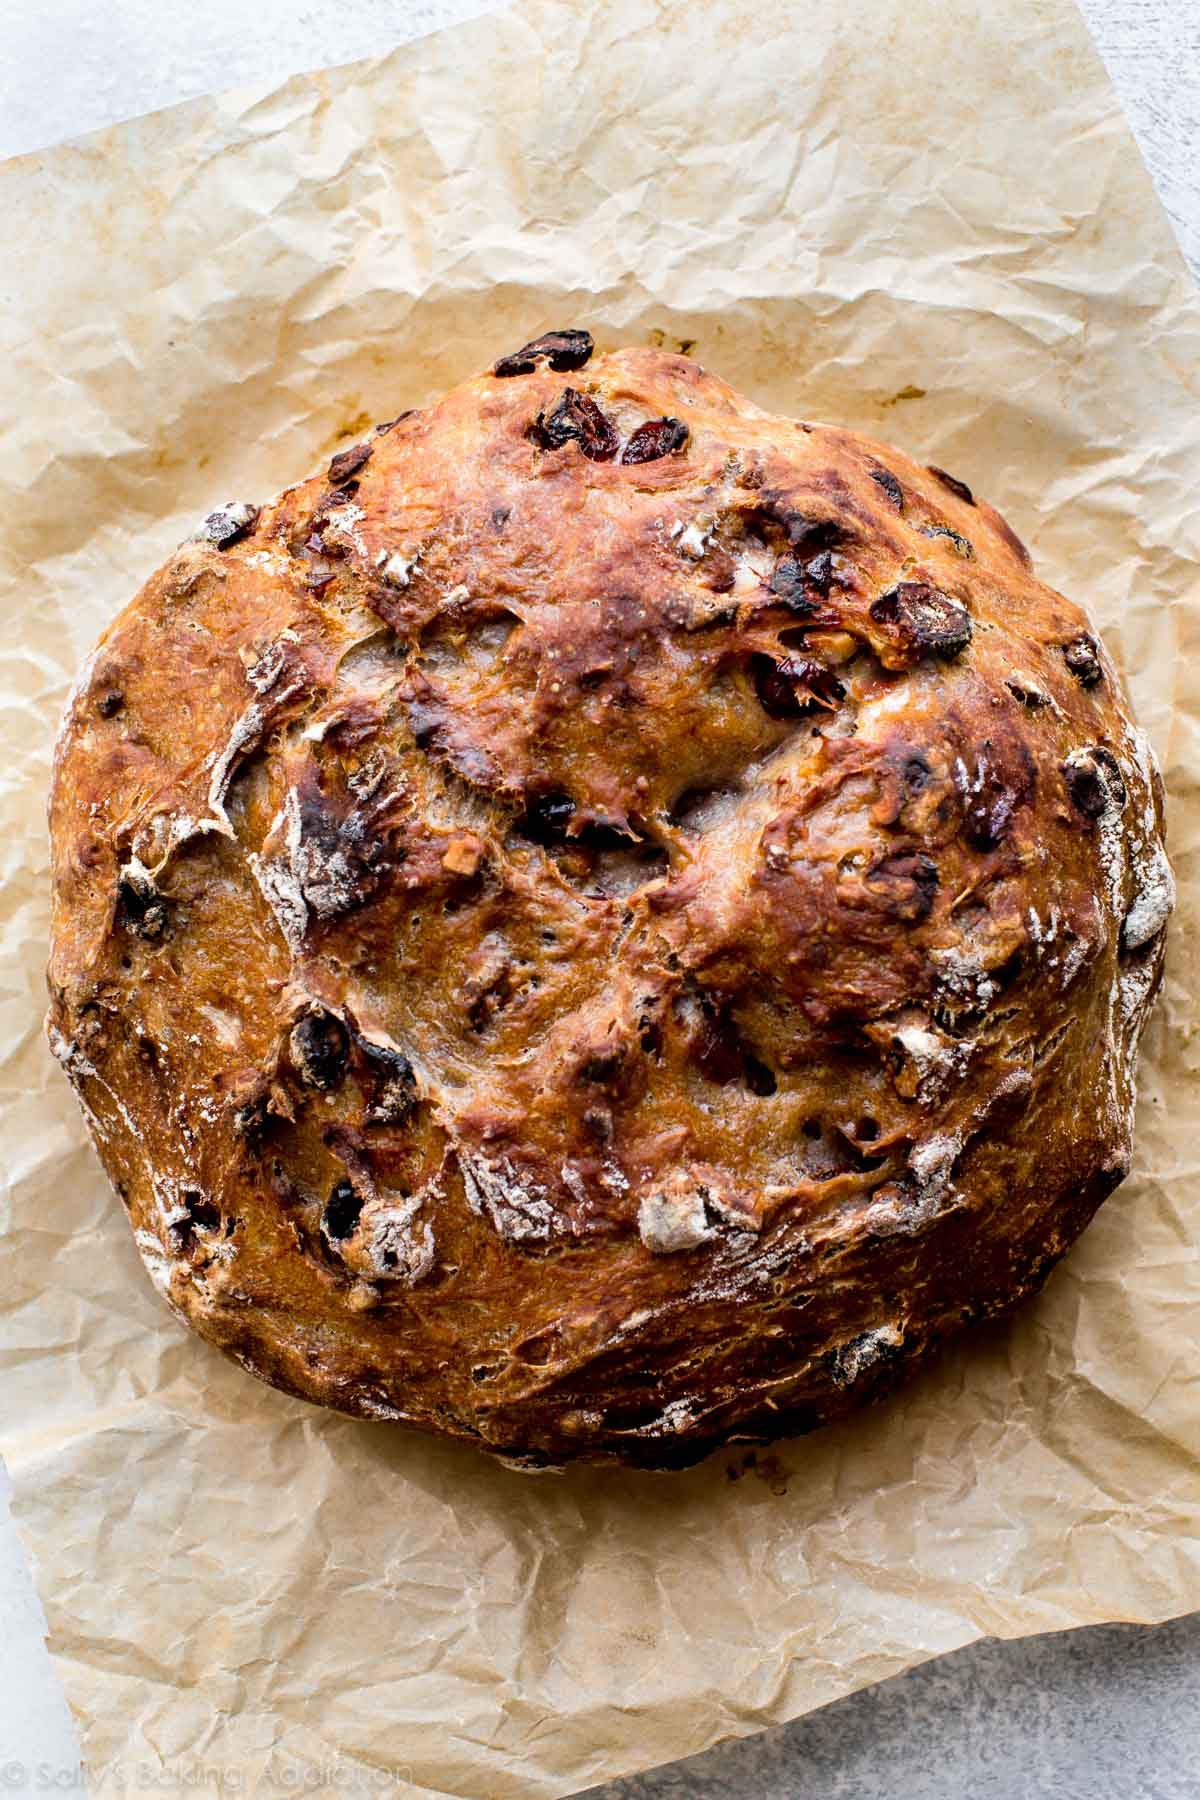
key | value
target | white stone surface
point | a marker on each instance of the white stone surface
(1110, 1714)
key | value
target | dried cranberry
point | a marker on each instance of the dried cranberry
(1085, 785)
(716, 1049)
(815, 679)
(657, 437)
(1094, 781)
(722, 1054)
(1082, 657)
(776, 695)
(347, 463)
(1002, 783)
(789, 688)
(808, 535)
(891, 487)
(141, 909)
(546, 818)
(953, 483)
(924, 619)
(906, 883)
(343, 1209)
(320, 1048)
(819, 572)
(561, 350)
(577, 419)
(799, 585)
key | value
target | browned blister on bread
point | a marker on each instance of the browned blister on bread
(605, 922)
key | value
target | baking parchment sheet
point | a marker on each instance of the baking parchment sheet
(918, 217)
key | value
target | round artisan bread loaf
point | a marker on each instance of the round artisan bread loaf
(607, 922)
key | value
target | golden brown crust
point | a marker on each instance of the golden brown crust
(607, 921)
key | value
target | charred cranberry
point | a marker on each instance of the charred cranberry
(1086, 787)
(560, 350)
(776, 695)
(391, 1084)
(320, 1048)
(343, 1210)
(229, 524)
(954, 484)
(963, 545)
(346, 464)
(818, 572)
(891, 487)
(546, 818)
(789, 586)
(1082, 657)
(251, 1119)
(801, 585)
(199, 1214)
(577, 419)
(141, 909)
(815, 679)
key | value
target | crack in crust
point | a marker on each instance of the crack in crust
(606, 920)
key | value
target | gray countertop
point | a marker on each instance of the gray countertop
(1109, 1713)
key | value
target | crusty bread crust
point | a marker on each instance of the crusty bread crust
(606, 923)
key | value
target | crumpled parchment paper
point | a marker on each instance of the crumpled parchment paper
(917, 217)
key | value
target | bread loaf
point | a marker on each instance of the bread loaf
(606, 922)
